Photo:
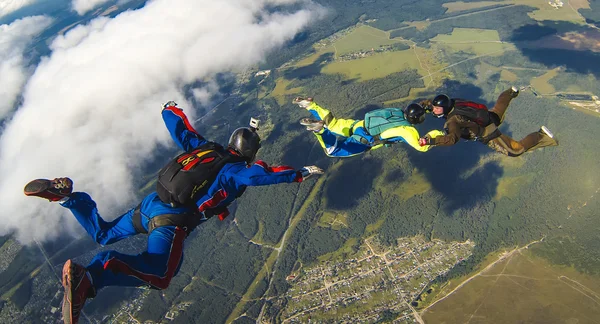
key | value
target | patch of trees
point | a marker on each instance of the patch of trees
(154, 308)
(254, 310)
(210, 305)
(566, 79)
(592, 15)
(504, 20)
(21, 296)
(344, 96)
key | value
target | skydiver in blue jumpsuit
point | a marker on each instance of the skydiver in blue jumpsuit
(162, 260)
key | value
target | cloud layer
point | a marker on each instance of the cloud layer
(83, 6)
(91, 110)
(9, 6)
(14, 38)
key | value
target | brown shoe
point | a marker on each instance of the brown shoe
(53, 190)
(302, 102)
(78, 287)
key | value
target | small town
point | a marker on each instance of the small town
(377, 280)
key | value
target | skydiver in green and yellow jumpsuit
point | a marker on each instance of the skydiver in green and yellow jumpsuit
(349, 137)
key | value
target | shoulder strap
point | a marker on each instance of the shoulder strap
(136, 219)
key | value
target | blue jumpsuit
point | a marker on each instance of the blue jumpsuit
(156, 266)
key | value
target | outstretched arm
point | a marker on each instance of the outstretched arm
(407, 134)
(451, 138)
(261, 174)
(180, 129)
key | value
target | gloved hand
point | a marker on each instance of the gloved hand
(221, 212)
(426, 104)
(308, 171)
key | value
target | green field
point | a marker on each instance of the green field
(506, 75)
(333, 220)
(313, 57)
(376, 66)
(568, 12)
(462, 6)
(542, 82)
(363, 38)
(472, 40)
(509, 186)
(415, 185)
(530, 287)
(280, 92)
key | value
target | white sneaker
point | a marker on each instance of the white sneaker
(302, 102)
(546, 131)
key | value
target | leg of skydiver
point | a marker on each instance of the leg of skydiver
(153, 268)
(508, 146)
(164, 243)
(83, 208)
(340, 127)
(338, 147)
(502, 103)
(505, 144)
(86, 212)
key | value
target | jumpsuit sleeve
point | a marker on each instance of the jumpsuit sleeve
(407, 134)
(181, 130)
(260, 174)
(451, 138)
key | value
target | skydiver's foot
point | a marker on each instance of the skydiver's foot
(312, 124)
(546, 131)
(54, 190)
(514, 91)
(78, 287)
(302, 102)
(170, 104)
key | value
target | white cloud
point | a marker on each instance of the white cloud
(205, 93)
(14, 38)
(91, 110)
(9, 6)
(83, 6)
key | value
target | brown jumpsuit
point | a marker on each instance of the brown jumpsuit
(458, 126)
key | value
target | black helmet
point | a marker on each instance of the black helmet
(245, 141)
(443, 101)
(414, 113)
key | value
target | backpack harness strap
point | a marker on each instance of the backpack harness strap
(137, 221)
(187, 221)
